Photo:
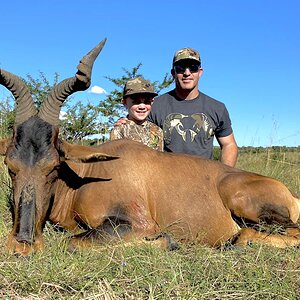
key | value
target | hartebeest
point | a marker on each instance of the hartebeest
(125, 188)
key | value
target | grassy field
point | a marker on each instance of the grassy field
(143, 272)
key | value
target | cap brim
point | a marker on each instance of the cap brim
(140, 92)
(187, 58)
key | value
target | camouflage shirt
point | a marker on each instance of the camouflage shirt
(147, 133)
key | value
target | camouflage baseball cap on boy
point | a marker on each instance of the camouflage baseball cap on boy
(186, 53)
(138, 85)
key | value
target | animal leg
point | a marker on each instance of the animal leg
(248, 236)
(261, 200)
(110, 232)
(293, 232)
(163, 240)
(24, 249)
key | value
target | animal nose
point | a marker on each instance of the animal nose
(24, 238)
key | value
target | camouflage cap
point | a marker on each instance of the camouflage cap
(186, 53)
(138, 85)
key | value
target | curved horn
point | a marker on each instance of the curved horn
(50, 109)
(24, 103)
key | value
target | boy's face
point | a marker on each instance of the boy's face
(138, 106)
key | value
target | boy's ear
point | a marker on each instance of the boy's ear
(124, 101)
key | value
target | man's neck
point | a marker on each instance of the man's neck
(187, 95)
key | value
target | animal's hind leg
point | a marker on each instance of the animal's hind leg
(260, 199)
(248, 236)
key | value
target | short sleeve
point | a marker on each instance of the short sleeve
(224, 127)
(115, 133)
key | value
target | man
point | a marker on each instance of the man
(191, 119)
(138, 97)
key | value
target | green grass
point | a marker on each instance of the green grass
(143, 272)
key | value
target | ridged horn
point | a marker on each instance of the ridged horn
(50, 108)
(24, 103)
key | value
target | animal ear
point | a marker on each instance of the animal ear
(4, 145)
(82, 154)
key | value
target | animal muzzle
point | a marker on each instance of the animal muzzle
(26, 218)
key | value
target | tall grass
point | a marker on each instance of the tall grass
(143, 272)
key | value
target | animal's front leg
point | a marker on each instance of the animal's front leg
(23, 248)
(110, 233)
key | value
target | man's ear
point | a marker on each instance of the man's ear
(4, 145)
(173, 72)
(82, 154)
(200, 72)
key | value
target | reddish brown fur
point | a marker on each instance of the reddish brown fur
(140, 194)
(189, 197)
(186, 196)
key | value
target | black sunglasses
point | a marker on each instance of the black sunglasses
(180, 69)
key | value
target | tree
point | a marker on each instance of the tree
(81, 120)
(111, 107)
(40, 87)
(7, 117)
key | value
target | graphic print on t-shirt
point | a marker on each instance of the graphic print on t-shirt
(187, 126)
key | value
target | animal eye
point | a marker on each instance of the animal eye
(12, 167)
(11, 173)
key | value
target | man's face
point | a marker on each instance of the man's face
(186, 73)
(138, 106)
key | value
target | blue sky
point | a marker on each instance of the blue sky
(250, 51)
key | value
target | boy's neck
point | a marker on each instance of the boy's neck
(139, 122)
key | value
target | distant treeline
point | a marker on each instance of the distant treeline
(273, 152)
(250, 149)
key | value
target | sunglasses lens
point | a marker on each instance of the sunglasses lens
(194, 68)
(180, 69)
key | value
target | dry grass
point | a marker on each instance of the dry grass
(192, 272)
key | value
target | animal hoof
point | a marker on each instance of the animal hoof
(250, 243)
(172, 244)
(72, 248)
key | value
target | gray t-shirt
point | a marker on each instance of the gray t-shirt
(189, 126)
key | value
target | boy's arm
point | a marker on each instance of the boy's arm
(115, 133)
(161, 141)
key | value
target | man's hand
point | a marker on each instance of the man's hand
(120, 122)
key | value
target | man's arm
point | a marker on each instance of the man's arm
(229, 150)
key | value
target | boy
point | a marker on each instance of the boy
(138, 97)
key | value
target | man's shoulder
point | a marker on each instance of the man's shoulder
(210, 100)
(165, 97)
